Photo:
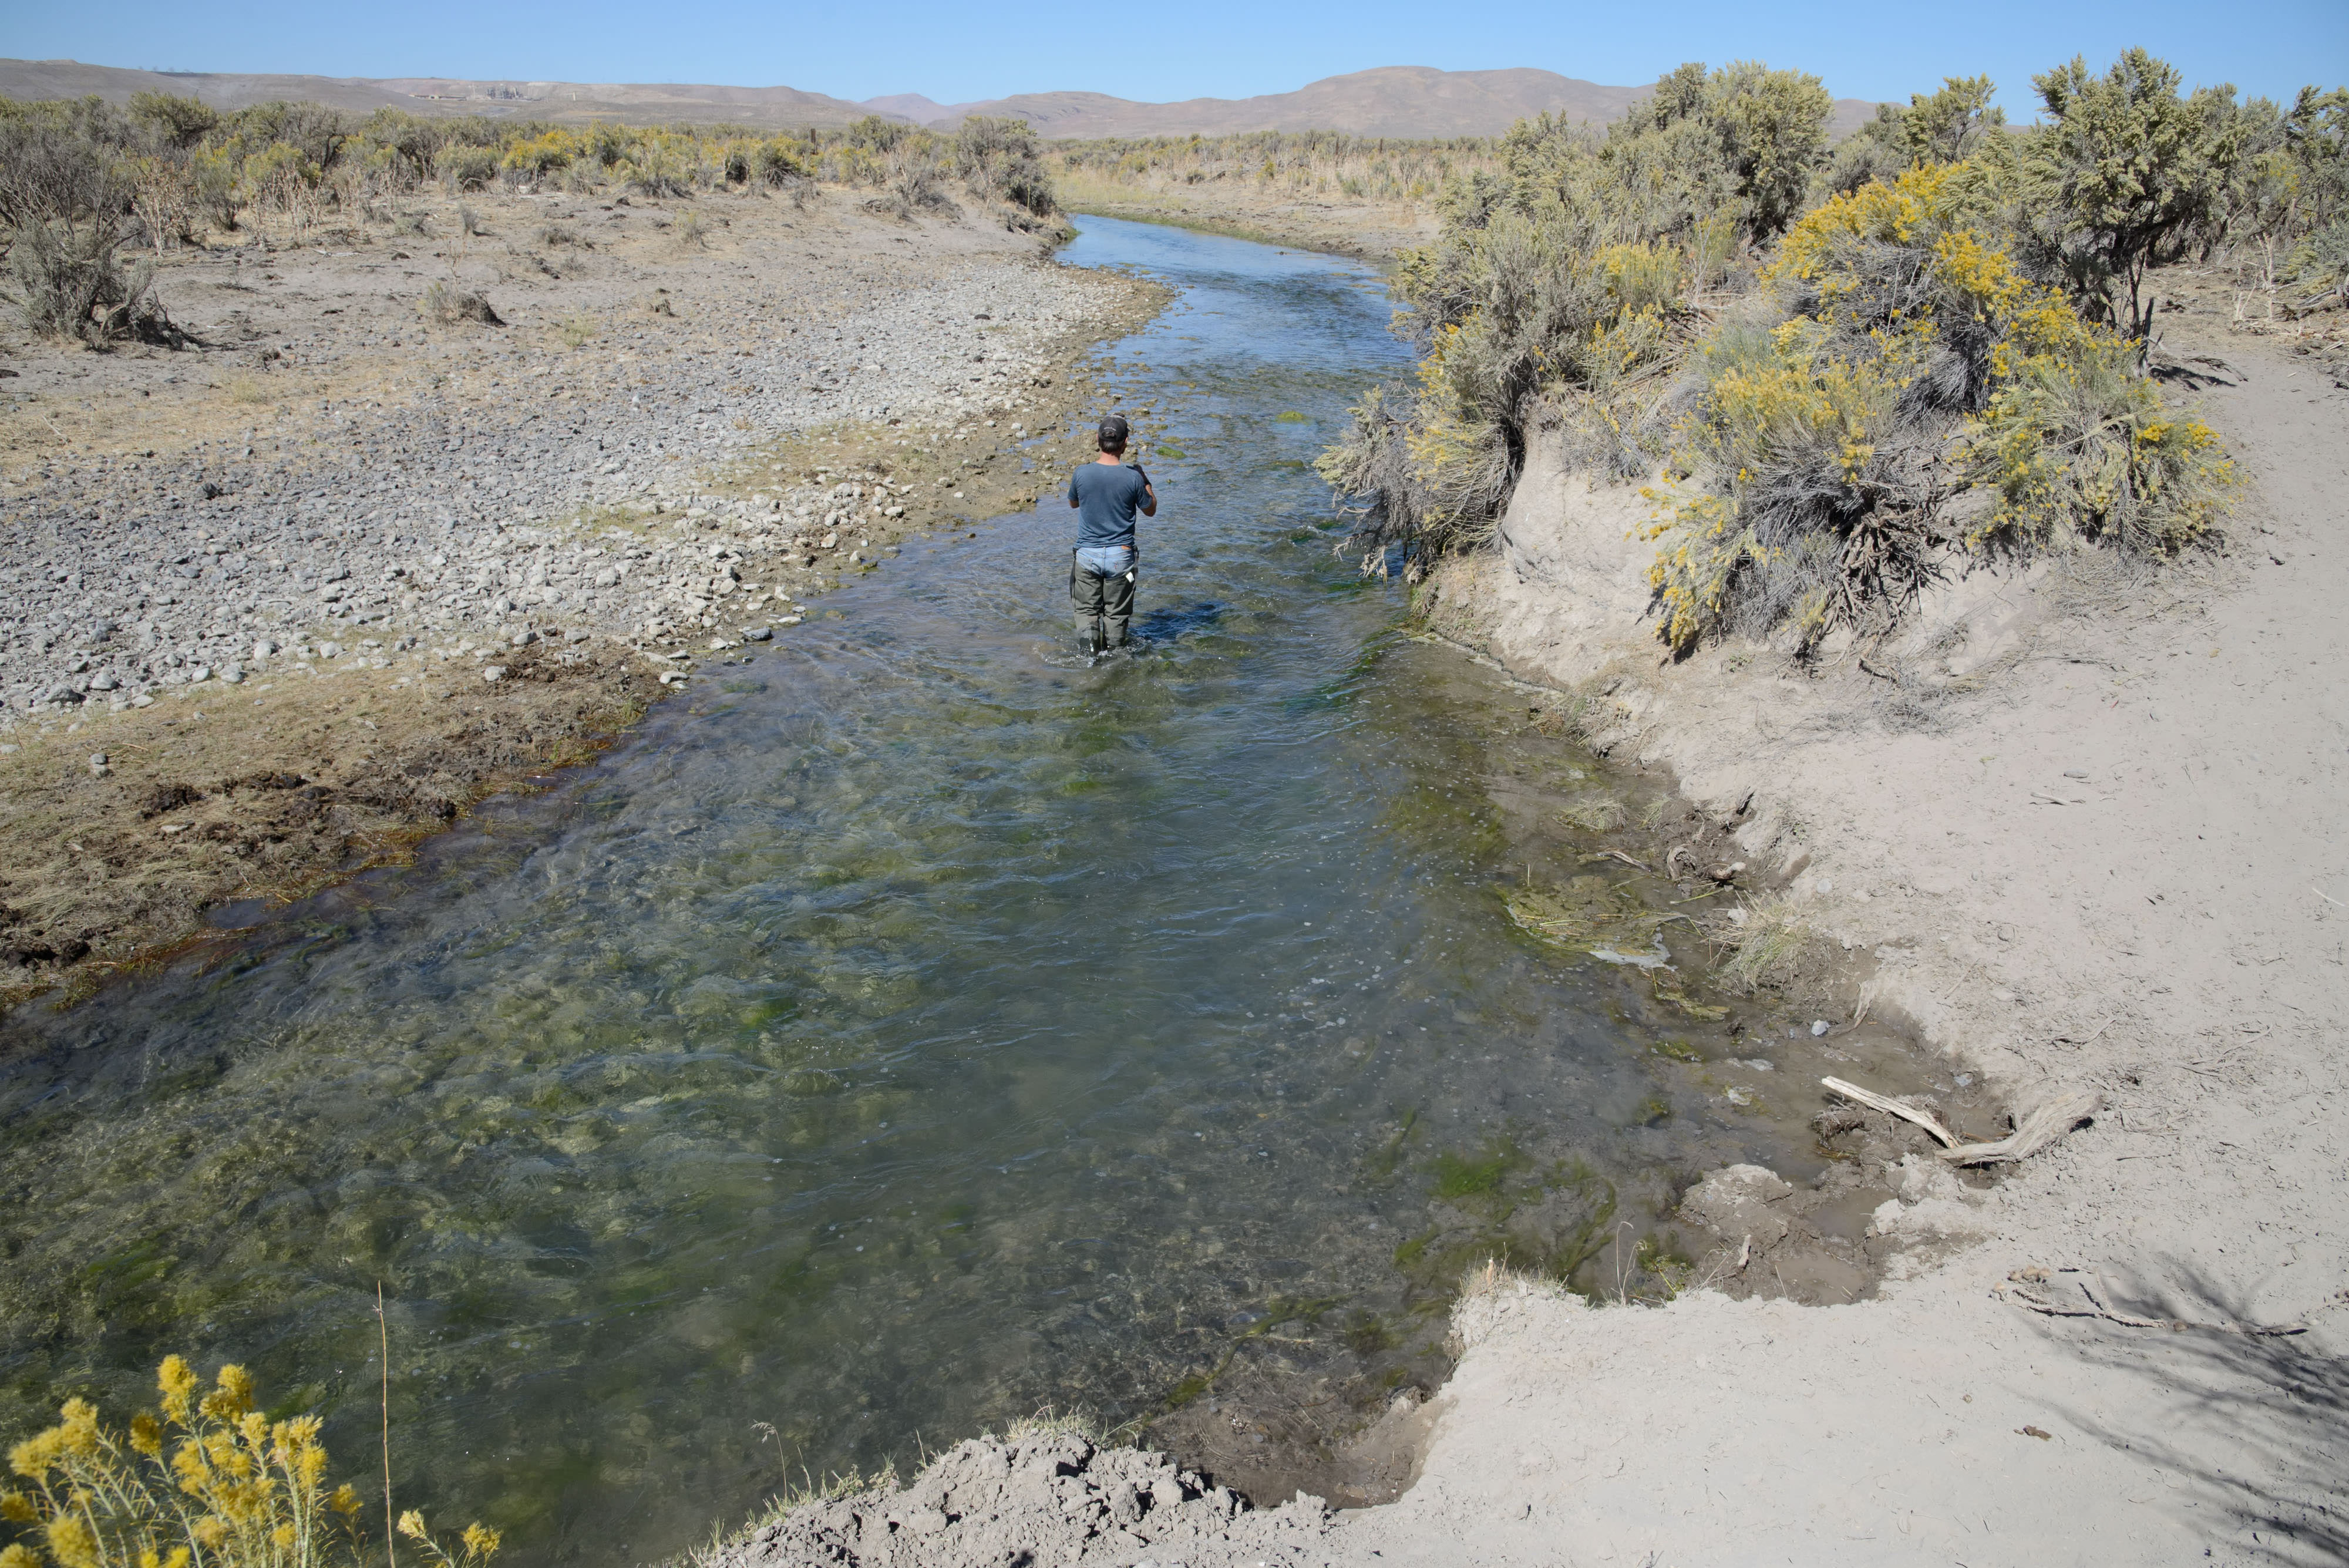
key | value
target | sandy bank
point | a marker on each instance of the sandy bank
(2090, 828)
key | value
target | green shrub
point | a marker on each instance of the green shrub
(66, 280)
(213, 179)
(1906, 361)
(1000, 160)
(1944, 127)
(661, 165)
(2319, 267)
(2127, 175)
(1571, 272)
(542, 155)
(181, 122)
(778, 161)
(468, 167)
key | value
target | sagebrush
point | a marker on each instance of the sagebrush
(1845, 371)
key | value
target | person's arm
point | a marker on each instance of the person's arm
(1149, 494)
(1072, 492)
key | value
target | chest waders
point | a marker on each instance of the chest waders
(1104, 603)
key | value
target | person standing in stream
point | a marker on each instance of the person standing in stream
(1105, 494)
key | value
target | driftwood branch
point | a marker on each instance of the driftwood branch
(2039, 1129)
(2025, 1289)
(1901, 1108)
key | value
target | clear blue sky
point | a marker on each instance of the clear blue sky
(961, 51)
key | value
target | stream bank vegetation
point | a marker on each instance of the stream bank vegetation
(207, 1479)
(1364, 196)
(94, 197)
(1284, 165)
(1844, 372)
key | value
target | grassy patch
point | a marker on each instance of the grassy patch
(1774, 946)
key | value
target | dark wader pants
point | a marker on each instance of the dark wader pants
(1104, 605)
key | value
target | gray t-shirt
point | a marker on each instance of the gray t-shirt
(1107, 497)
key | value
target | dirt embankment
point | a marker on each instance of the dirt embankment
(2085, 824)
(130, 837)
(268, 579)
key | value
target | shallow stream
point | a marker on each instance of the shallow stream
(916, 1027)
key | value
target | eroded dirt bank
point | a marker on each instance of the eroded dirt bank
(2089, 825)
(277, 604)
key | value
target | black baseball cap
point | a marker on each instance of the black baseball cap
(1112, 432)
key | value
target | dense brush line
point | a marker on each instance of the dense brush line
(81, 181)
(1317, 162)
(1843, 370)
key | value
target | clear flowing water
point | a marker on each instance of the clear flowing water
(917, 1028)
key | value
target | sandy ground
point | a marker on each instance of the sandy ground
(2089, 826)
(390, 564)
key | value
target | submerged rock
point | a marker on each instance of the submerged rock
(1734, 1203)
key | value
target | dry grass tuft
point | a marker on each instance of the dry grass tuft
(1774, 945)
(810, 1491)
(448, 306)
(1493, 1277)
(1593, 814)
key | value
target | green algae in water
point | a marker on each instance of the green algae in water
(938, 1032)
(1466, 1178)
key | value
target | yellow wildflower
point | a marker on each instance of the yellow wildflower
(71, 1543)
(177, 1380)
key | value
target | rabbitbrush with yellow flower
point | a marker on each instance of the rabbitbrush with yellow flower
(208, 1481)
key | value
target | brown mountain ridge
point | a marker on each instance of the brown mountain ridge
(1392, 101)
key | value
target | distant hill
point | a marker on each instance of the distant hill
(1393, 100)
(769, 109)
(913, 106)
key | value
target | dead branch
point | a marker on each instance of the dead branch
(2024, 1289)
(2042, 1127)
(2051, 1120)
(1901, 1108)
